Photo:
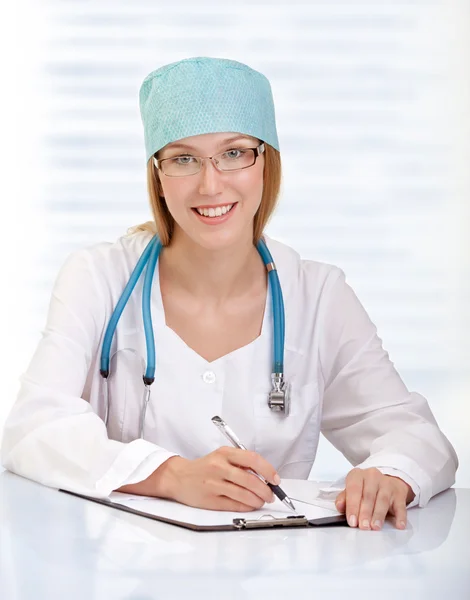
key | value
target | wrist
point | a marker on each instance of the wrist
(166, 477)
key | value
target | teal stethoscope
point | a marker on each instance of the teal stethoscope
(278, 399)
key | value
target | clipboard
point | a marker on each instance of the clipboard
(233, 523)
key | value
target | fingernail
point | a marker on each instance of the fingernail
(276, 479)
(352, 520)
(402, 525)
(378, 524)
(365, 524)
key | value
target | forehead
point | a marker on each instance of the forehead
(209, 141)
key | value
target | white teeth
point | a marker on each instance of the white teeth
(214, 212)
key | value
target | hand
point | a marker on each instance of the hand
(217, 481)
(369, 496)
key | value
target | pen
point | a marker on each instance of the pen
(230, 435)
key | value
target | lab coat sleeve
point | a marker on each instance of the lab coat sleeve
(52, 435)
(368, 413)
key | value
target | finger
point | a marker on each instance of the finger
(383, 502)
(239, 494)
(369, 495)
(247, 480)
(398, 509)
(234, 506)
(226, 471)
(340, 501)
(354, 485)
(253, 460)
(228, 504)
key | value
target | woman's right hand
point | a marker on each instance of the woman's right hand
(217, 481)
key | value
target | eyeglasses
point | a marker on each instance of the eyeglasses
(230, 160)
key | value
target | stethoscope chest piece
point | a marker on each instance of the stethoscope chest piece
(279, 396)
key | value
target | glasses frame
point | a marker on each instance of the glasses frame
(258, 150)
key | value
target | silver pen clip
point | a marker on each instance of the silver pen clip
(227, 432)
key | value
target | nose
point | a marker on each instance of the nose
(210, 183)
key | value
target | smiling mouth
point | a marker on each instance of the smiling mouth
(211, 213)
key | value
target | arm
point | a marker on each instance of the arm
(52, 434)
(368, 413)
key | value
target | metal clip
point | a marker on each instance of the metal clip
(144, 410)
(270, 521)
(279, 397)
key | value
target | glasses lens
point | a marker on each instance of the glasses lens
(232, 160)
(238, 158)
(180, 166)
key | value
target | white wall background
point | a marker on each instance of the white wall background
(373, 111)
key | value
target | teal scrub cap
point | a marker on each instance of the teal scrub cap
(205, 95)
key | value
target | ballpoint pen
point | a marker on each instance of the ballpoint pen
(230, 435)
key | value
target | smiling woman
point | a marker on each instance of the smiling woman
(103, 408)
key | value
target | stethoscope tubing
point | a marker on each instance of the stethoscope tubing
(108, 337)
(149, 376)
(149, 259)
(278, 309)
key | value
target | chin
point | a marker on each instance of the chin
(220, 240)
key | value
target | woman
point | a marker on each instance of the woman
(213, 171)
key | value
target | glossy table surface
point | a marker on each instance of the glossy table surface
(54, 545)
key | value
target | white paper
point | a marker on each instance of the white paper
(202, 517)
(326, 496)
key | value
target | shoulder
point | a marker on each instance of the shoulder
(105, 263)
(320, 290)
(302, 276)
(125, 251)
(121, 254)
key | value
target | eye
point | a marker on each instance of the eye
(233, 153)
(183, 160)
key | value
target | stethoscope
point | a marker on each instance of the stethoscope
(278, 398)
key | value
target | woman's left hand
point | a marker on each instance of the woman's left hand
(369, 496)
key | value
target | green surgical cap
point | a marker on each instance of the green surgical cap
(205, 95)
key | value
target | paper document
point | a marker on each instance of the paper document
(202, 517)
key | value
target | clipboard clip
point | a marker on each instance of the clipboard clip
(270, 521)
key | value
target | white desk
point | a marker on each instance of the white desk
(54, 545)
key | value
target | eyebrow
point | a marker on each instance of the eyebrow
(224, 143)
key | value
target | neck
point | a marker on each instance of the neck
(215, 276)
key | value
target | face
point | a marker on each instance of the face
(235, 193)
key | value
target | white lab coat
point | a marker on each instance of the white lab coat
(342, 384)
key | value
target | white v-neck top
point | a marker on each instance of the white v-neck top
(342, 384)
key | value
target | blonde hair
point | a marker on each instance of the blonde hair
(163, 223)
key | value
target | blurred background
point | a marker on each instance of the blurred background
(373, 111)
